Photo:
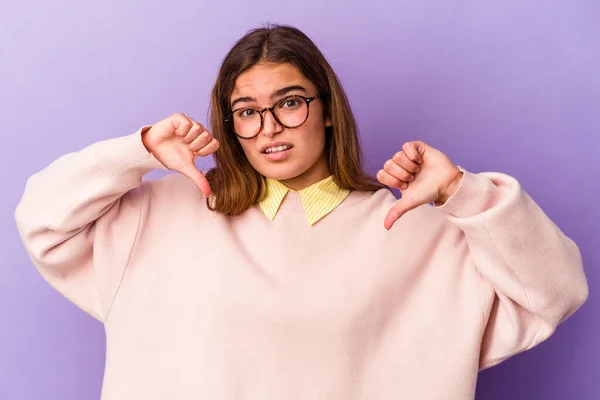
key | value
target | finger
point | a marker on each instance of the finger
(181, 124)
(414, 151)
(210, 148)
(397, 171)
(195, 131)
(196, 176)
(403, 160)
(384, 177)
(200, 141)
(400, 208)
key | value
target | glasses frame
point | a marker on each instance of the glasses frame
(307, 100)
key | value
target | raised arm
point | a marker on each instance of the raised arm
(78, 218)
(531, 276)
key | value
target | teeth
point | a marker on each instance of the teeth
(276, 149)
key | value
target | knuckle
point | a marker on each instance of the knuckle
(205, 135)
(208, 148)
(186, 124)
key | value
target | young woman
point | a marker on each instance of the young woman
(286, 272)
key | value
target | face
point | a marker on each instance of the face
(304, 161)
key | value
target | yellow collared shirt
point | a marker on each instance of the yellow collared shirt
(318, 200)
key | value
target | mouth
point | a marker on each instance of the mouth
(277, 151)
(275, 148)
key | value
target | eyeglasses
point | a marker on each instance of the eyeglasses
(290, 112)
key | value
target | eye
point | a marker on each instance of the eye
(290, 103)
(246, 112)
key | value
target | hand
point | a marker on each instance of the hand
(176, 141)
(423, 175)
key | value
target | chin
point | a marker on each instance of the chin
(281, 172)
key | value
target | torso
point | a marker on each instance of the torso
(246, 308)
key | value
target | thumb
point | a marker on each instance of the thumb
(399, 208)
(196, 176)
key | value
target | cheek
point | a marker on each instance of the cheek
(317, 125)
(315, 133)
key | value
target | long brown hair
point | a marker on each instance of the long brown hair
(236, 185)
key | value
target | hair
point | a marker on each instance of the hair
(236, 185)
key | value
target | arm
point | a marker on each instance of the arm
(78, 219)
(531, 276)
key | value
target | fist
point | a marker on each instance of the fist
(423, 174)
(176, 142)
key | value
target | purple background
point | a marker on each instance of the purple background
(511, 86)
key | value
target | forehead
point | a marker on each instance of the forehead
(263, 79)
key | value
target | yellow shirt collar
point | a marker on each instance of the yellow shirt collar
(318, 200)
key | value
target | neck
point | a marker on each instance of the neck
(316, 173)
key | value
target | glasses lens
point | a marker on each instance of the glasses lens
(246, 122)
(291, 111)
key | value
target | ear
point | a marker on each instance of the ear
(328, 122)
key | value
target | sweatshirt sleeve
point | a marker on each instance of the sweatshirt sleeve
(530, 274)
(78, 219)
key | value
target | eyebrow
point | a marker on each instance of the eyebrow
(277, 93)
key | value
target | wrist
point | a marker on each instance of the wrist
(143, 135)
(451, 189)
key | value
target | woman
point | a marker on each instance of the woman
(298, 276)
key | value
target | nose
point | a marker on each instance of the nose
(270, 124)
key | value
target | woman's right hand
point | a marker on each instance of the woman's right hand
(176, 142)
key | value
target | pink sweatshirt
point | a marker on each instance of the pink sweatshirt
(200, 306)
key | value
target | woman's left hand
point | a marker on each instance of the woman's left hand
(423, 174)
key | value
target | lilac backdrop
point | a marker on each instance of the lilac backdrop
(511, 86)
